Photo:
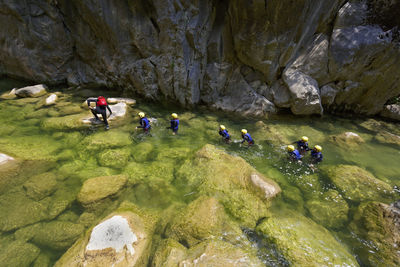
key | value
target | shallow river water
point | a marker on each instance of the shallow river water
(73, 154)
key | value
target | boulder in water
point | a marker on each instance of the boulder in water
(50, 100)
(9, 95)
(18, 253)
(40, 186)
(114, 158)
(386, 137)
(391, 112)
(116, 100)
(96, 189)
(347, 140)
(31, 91)
(357, 184)
(5, 158)
(70, 122)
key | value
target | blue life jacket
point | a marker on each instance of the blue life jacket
(248, 138)
(316, 156)
(301, 145)
(174, 124)
(295, 155)
(224, 134)
(144, 122)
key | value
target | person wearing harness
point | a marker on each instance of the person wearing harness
(224, 133)
(246, 137)
(144, 123)
(316, 154)
(302, 145)
(174, 123)
(294, 154)
(101, 106)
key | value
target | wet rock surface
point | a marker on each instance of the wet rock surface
(31, 91)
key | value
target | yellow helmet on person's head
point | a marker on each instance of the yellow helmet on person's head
(318, 148)
(290, 148)
(304, 138)
(244, 131)
(141, 114)
(222, 127)
(174, 115)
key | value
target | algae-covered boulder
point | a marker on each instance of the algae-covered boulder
(5, 158)
(308, 184)
(388, 138)
(203, 219)
(114, 158)
(380, 224)
(57, 235)
(96, 189)
(357, 184)
(330, 209)
(41, 185)
(303, 242)
(70, 122)
(18, 253)
(243, 191)
(31, 91)
(218, 253)
(347, 140)
(43, 260)
(122, 239)
(109, 139)
(141, 151)
(169, 254)
(271, 133)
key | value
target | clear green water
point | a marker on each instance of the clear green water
(72, 153)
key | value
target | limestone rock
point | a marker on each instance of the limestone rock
(388, 138)
(118, 110)
(357, 184)
(41, 185)
(121, 239)
(99, 188)
(303, 242)
(50, 100)
(328, 94)
(31, 91)
(116, 100)
(9, 95)
(391, 112)
(169, 254)
(347, 140)
(5, 158)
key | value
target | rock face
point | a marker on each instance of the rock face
(391, 112)
(336, 54)
(31, 91)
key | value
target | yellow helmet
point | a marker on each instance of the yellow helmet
(141, 114)
(304, 139)
(244, 131)
(290, 148)
(222, 127)
(318, 148)
(174, 115)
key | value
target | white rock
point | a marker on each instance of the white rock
(113, 233)
(115, 100)
(118, 110)
(351, 134)
(31, 91)
(5, 158)
(51, 99)
(269, 189)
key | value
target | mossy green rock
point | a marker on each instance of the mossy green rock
(169, 254)
(203, 219)
(19, 254)
(114, 158)
(330, 209)
(41, 185)
(108, 139)
(218, 253)
(308, 184)
(379, 223)
(357, 184)
(142, 151)
(99, 188)
(243, 191)
(388, 138)
(347, 140)
(303, 242)
(42, 261)
(270, 133)
(70, 122)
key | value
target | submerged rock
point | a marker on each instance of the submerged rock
(70, 122)
(114, 158)
(41, 185)
(388, 138)
(108, 139)
(121, 239)
(31, 91)
(5, 158)
(19, 254)
(303, 242)
(99, 188)
(169, 254)
(357, 184)
(347, 140)
(9, 95)
(380, 224)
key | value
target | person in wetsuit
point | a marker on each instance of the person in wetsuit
(294, 154)
(144, 123)
(224, 133)
(316, 154)
(174, 123)
(302, 145)
(101, 106)
(247, 138)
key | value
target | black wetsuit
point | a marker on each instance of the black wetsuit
(99, 110)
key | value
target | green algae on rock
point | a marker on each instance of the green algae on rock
(303, 242)
(347, 140)
(357, 184)
(96, 189)
(379, 224)
(330, 210)
(142, 151)
(115, 158)
(41, 185)
(69, 122)
(169, 254)
(18, 253)
(43, 260)
(388, 138)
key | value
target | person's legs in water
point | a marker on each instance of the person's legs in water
(94, 111)
(103, 113)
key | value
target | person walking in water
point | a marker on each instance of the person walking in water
(144, 123)
(224, 133)
(302, 145)
(101, 106)
(316, 154)
(174, 123)
(247, 138)
(294, 154)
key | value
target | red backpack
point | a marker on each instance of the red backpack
(101, 101)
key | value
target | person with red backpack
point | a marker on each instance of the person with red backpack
(101, 105)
